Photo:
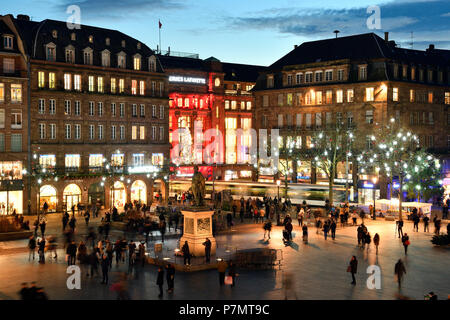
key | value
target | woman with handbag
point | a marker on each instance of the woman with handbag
(406, 243)
(352, 268)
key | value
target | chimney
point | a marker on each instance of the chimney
(386, 36)
(23, 17)
(295, 46)
(431, 47)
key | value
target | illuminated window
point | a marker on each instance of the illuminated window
(350, 95)
(339, 96)
(394, 94)
(242, 105)
(100, 87)
(117, 159)
(362, 72)
(133, 87)
(95, 160)
(157, 159)
(113, 85)
(41, 79)
(142, 132)
(16, 93)
(369, 116)
(77, 82)
(289, 99)
(430, 96)
(137, 63)
(133, 132)
(184, 122)
(319, 97)
(447, 98)
(230, 140)
(369, 94)
(227, 104)
(121, 85)
(16, 119)
(233, 105)
(105, 58)
(72, 161)
(412, 95)
(67, 81)
(91, 83)
(186, 102)
(249, 105)
(47, 161)
(51, 80)
(329, 96)
(141, 88)
(340, 74)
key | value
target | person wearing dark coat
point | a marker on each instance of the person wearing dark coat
(232, 272)
(71, 252)
(405, 241)
(207, 245)
(41, 250)
(333, 230)
(160, 281)
(426, 224)
(65, 221)
(399, 271)
(93, 261)
(186, 253)
(25, 292)
(105, 269)
(353, 268)
(170, 277)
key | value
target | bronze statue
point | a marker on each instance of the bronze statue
(198, 187)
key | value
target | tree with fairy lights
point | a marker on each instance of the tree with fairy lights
(394, 152)
(329, 147)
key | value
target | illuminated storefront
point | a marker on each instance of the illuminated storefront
(11, 186)
(96, 194)
(47, 194)
(139, 191)
(72, 196)
(118, 195)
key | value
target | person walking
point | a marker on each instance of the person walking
(241, 213)
(160, 280)
(162, 229)
(437, 226)
(367, 240)
(232, 272)
(31, 247)
(170, 277)
(354, 218)
(93, 262)
(207, 245)
(72, 223)
(87, 216)
(42, 226)
(65, 221)
(267, 229)
(353, 268)
(305, 233)
(426, 221)
(405, 241)
(41, 250)
(333, 229)
(105, 268)
(222, 268)
(186, 254)
(326, 228)
(416, 221)
(300, 216)
(400, 228)
(399, 271)
(71, 252)
(376, 241)
(360, 234)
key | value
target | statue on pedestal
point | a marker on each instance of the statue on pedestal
(198, 187)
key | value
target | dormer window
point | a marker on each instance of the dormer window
(362, 74)
(105, 58)
(7, 42)
(73, 37)
(107, 41)
(50, 51)
(55, 34)
(152, 64)
(87, 56)
(91, 39)
(270, 81)
(137, 62)
(123, 43)
(138, 46)
(121, 60)
(70, 54)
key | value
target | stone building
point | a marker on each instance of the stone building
(359, 81)
(217, 96)
(99, 115)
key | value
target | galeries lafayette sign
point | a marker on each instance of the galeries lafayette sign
(187, 79)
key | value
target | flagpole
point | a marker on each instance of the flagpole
(159, 26)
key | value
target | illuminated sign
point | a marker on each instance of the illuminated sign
(183, 79)
(143, 169)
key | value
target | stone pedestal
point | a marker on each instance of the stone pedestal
(197, 227)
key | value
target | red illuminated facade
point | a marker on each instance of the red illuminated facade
(217, 94)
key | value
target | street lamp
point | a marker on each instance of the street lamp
(278, 187)
(374, 180)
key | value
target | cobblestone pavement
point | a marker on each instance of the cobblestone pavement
(316, 270)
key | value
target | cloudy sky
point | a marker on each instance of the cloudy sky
(250, 31)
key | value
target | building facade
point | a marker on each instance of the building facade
(99, 115)
(13, 119)
(359, 81)
(212, 95)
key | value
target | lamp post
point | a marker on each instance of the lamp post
(374, 180)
